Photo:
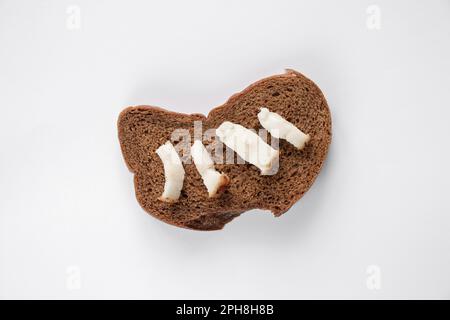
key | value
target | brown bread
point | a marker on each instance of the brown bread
(143, 129)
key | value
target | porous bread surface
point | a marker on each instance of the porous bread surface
(143, 129)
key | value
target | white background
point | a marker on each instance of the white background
(70, 224)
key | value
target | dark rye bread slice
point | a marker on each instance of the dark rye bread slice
(143, 129)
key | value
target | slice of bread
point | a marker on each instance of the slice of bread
(143, 129)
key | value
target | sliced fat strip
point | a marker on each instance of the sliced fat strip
(173, 172)
(280, 128)
(248, 145)
(213, 180)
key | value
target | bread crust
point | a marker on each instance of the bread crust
(142, 129)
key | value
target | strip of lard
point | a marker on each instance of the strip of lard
(248, 145)
(213, 180)
(173, 172)
(279, 127)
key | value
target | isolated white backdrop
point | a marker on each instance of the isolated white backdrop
(374, 225)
